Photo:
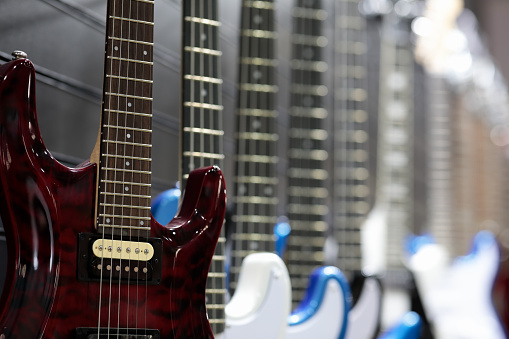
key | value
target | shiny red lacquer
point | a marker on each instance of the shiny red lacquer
(45, 206)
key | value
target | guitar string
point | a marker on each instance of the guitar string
(115, 172)
(126, 105)
(106, 159)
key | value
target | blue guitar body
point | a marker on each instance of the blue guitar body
(165, 205)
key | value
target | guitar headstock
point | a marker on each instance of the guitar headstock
(435, 32)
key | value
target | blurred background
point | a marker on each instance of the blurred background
(451, 158)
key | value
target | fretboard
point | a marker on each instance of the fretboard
(126, 124)
(201, 122)
(351, 147)
(307, 173)
(440, 162)
(255, 179)
(394, 188)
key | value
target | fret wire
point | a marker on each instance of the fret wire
(131, 60)
(203, 21)
(131, 40)
(126, 195)
(129, 78)
(128, 96)
(124, 183)
(141, 228)
(132, 20)
(127, 112)
(203, 79)
(126, 170)
(129, 128)
(204, 131)
(202, 50)
(203, 105)
(130, 206)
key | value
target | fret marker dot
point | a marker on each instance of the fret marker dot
(115, 48)
(253, 245)
(204, 92)
(127, 189)
(257, 124)
(257, 74)
(129, 104)
(257, 19)
(203, 37)
(142, 223)
(268, 190)
(128, 136)
(145, 52)
(127, 163)
(242, 189)
(108, 220)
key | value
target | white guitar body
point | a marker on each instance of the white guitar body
(261, 304)
(457, 298)
(262, 300)
(323, 313)
(364, 317)
(396, 303)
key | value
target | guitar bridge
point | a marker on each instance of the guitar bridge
(103, 333)
(128, 261)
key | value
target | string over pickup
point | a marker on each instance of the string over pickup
(120, 249)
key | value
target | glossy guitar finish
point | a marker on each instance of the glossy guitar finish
(457, 296)
(44, 208)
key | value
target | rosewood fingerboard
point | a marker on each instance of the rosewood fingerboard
(201, 124)
(255, 179)
(307, 174)
(125, 137)
(351, 138)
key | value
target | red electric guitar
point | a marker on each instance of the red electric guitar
(85, 257)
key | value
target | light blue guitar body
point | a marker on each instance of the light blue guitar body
(165, 205)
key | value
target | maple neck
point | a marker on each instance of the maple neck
(307, 174)
(255, 180)
(395, 165)
(126, 123)
(201, 111)
(351, 148)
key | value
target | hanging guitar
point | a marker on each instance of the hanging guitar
(86, 259)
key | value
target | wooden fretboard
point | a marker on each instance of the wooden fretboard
(440, 162)
(351, 138)
(201, 124)
(126, 122)
(307, 174)
(255, 179)
(394, 189)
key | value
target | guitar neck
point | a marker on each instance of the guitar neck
(351, 138)
(126, 121)
(255, 180)
(395, 166)
(440, 162)
(307, 174)
(201, 123)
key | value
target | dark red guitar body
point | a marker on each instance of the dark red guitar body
(45, 206)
